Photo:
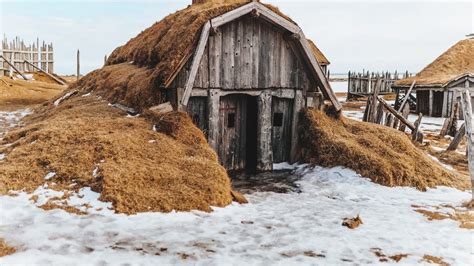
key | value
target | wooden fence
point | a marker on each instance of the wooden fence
(363, 84)
(16, 51)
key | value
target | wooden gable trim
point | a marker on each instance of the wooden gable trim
(196, 62)
(272, 17)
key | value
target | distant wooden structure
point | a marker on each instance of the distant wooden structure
(439, 85)
(363, 84)
(18, 53)
(251, 73)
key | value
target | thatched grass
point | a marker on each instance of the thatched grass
(138, 169)
(5, 250)
(455, 62)
(384, 155)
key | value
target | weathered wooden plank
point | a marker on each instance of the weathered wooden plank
(405, 113)
(407, 96)
(277, 19)
(467, 112)
(298, 104)
(13, 66)
(213, 109)
(396, 114)
(458, 138)
(379, 116)
(46, 73)
(264, 148)
(215, 59)
(232, 15)
(196, 61)
(416, 135)
(325, 86)
(373, 108)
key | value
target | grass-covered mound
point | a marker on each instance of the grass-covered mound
(384, 155)
(90, 144)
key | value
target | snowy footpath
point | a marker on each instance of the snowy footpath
(293, 228)
(273, 229)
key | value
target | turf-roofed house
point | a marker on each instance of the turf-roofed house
(245, 79)
(438, 86)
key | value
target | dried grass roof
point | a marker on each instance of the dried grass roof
(455, 62)
(167, 44)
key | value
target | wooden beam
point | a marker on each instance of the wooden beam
(273, 17)
(416, 135)
(8, 62)
(458, 138)
(397, 114)
(325, 86)
(46, 73)
(373, 108)
(467, 111)
(407, 96)
(234, 14)
(195, 64)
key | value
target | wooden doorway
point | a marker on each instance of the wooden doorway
(237, 146)
(282, 114)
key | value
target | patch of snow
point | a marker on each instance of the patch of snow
(2, 156)
(87, 94)
(95, 172)
(448, 167)
(284, 166)
(272, 229)
(132, 116)
(154, 128)
(49, 175)
(62, 98)
(152, 141)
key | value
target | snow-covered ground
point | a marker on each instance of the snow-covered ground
(11, 119)
(293, 228)
(274, 228)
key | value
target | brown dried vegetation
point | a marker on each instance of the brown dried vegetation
(384, 155)
(138, 170)
(5, 250)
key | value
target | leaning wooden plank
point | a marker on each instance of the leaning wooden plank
(416, 135)
(17, 71)
(379, 116)
(46, 73)
(124, 108)
(405, 113)
(367, 110)
(396, 114)
(325, 86)
(444, 129)
(407, 96)
(467, 111)
(458, 138)
(196, 62)
(375, 95)
(162, 108)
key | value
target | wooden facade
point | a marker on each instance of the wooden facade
(250, 76)
(439, 101)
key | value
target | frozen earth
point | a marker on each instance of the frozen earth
(301, 227)
(292, 228)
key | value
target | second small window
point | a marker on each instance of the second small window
(231, 120)
(278, 119)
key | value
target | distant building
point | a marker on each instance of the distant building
(438, 85)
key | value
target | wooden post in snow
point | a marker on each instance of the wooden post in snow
(78, 66)
(457, 139)
(415, 134)
(373, 108)
(467, 111)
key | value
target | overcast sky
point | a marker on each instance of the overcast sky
(354, 35)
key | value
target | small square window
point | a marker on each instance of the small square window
(278, 119)
(230, 120)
